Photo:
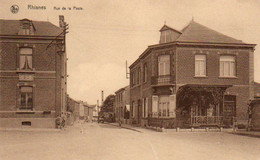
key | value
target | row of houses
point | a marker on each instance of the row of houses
(194, 77)
(79, 110)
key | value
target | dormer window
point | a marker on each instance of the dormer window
(168, 34)
(26, 27)
(26, 31)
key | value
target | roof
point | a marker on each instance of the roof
(195, 32)
(42, 28)
(92, 106)
(165, 27)
(121, 89)
(85, 104)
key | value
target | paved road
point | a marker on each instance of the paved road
(106, 142)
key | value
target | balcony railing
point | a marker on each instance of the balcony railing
(161, 80)
(206, 120)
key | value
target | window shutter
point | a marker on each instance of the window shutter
(155, 105)
(172, 105)
(146, 107)
(143, 111)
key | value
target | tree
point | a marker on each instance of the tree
(188, 96)
(108, 105)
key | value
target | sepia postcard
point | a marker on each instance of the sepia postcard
(137, 80)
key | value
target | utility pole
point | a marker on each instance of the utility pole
(127, 73)
(63, 56)
(102, 97)
(98, 110)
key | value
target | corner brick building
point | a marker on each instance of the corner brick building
(32, 73)
(194, 77)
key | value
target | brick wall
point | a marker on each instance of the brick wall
(46, 83)
(186, 66)
(240, 84)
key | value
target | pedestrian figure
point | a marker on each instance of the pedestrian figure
(82, 126)
(58, 122)
(62, 122)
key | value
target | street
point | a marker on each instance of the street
(107, 142)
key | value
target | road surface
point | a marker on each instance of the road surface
(106, 142)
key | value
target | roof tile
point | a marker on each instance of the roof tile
(196, 32)
(43, 28)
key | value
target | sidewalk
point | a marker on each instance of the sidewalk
(247, 133)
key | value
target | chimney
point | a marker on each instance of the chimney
(61, 21)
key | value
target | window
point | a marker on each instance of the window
(132, 109)
(26, 98)
(26, 31)
(145, 73)
(165, 36)
(164, 65)
(139, 76)
(227, 66)
(145, 107)
(164, 106)
(26, 59)
(133, 78)
(200, 65)
(163, 109)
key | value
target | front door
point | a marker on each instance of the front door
(229, 110)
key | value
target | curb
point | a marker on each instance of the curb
(246, 134)
(123, 127)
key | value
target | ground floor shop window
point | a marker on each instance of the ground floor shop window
(164, 106)
(163, 109)
(26, 101)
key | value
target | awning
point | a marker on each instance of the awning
(207, 86)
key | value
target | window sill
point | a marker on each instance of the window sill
(227, 77)
(164, 117)
(25, 111)
(200, 76)
(25, 71)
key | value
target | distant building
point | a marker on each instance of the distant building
(193, 77)
(73, 109)
(93, 112)
(122, 105)
(33, 73)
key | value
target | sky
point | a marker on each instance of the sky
(105, 33)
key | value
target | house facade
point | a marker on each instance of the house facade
(33, 73)
(73, 109)
(122, 105)
(194, 77)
